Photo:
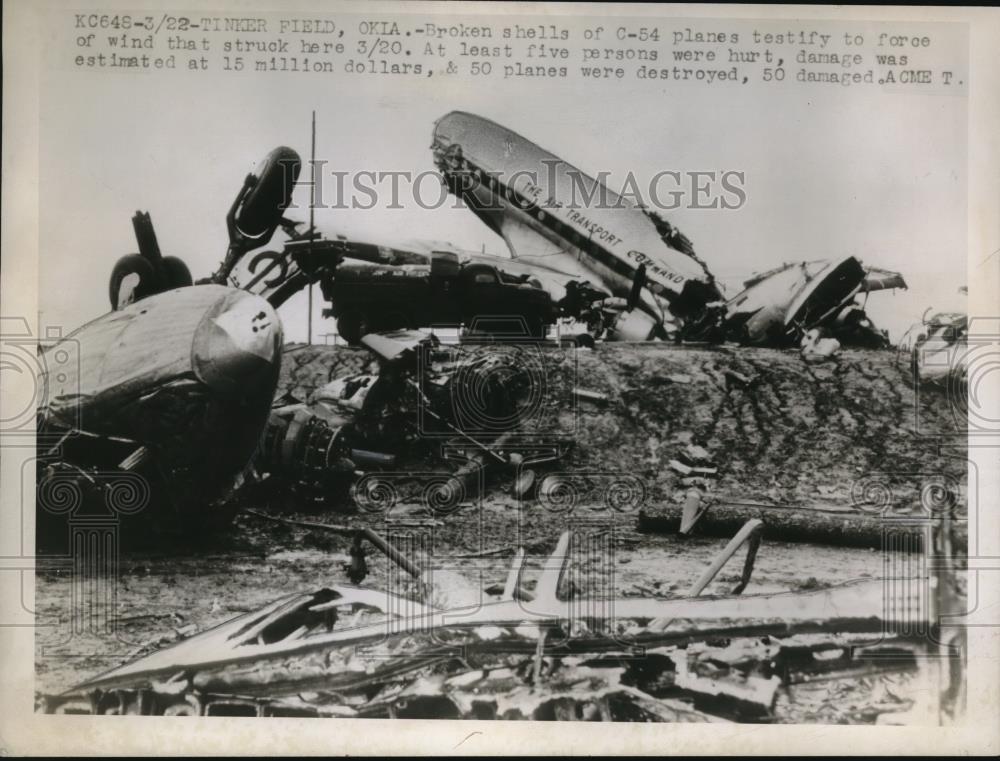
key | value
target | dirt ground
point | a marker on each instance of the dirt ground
(848, 433)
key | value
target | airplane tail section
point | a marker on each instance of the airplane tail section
(543, 206)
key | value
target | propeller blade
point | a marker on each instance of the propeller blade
(638, 283)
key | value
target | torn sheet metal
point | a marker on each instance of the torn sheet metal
(353, 651)
(779, 306)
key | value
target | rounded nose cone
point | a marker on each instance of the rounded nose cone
(237, 345)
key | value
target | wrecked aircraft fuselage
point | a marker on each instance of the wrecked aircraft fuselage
(162, 401)
(582, 237)
(935, 350)
(530, 197)
(165, 404)
(778, 307)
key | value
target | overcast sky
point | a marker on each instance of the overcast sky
(828, 172)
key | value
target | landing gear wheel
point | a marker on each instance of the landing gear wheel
(176, 273)
(143, 284)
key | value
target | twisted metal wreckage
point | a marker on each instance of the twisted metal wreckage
(172, 402)
(174, 386)
(348, 651)
(172, 392)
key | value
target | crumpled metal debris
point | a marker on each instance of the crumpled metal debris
(351, 651)
(816, 347)
(421, 396)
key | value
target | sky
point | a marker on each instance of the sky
(828, 172)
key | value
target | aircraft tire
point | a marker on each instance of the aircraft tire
(176, 273)
(128, 265)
